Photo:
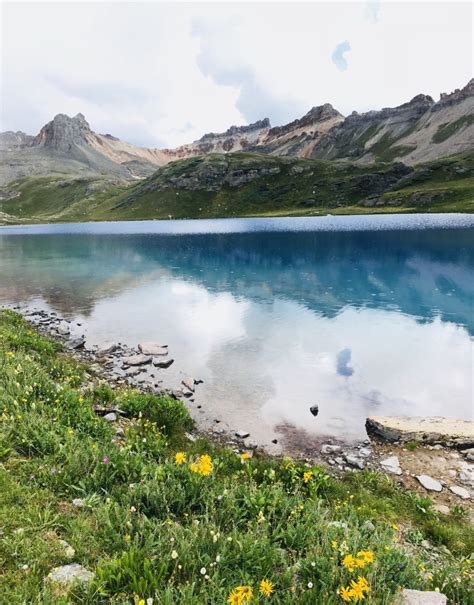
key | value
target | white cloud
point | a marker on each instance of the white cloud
(165, 73)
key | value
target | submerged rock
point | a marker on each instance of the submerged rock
(64, 329)
(152, 348)
(136, 360)
(162, 363)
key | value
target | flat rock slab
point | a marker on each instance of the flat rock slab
(162, 363)
(460, 491)
(420, 597)
(391, 465)
(436, 429)
(152, 348)
(429, 483)
(67, 576)
(136, 360)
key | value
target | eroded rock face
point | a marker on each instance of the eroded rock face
(430, 430)
(63, 132)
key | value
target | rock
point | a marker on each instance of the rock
(162, 363)
(68, 550)
(136, 360)
(460, 491)
(442, 508)
(314, 409)
(110, 417)
(189, 384)
(466, 473)
(469, 453)
(65, 577)
(391, 465)
(365, 452)
(75, 343)
(152, 348)
(78, 502)
(64, 329)
(242, 434)
(108, 350)
(327, 448)
(429, 483)
(420, 597)
(432, 430)
(354, 461)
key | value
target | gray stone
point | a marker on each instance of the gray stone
(442, 508)
(391, 465)
(314, 409)
(136, 360)
(162, 363)
(67, 576)
(242, 434)
(64, 329)
(365, 452)
(75, 343)
(354, 461)
(420, 597)
(189, 384)
(153, 348)
(78, 502)
(429, 483)
(327, 448)
(460, 491)
(110, 417)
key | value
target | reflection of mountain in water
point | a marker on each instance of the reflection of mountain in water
(421, 273)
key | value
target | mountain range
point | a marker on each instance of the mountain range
(322, 159)
(417, 131)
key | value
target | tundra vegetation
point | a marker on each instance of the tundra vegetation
(161, 518)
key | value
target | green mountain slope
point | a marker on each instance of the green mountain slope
(244, 184)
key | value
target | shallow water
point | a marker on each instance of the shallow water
(361, 315)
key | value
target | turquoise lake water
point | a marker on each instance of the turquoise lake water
(361, 315)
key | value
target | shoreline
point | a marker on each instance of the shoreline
(401, 461)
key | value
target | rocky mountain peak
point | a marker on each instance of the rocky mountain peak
(316, 114)
(63, 132)
(237, 130)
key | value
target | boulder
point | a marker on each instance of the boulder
(62, 579)
(436, 429)
(152, 348)
(420, 597)
(429, 483)
(75, 343)
(64, 329)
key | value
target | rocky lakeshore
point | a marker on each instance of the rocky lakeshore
(414, 452)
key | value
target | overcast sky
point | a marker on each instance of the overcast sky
(162, 74)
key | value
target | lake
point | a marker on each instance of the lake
(368, 315)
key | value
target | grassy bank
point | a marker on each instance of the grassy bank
(245, 185)
(179, 521)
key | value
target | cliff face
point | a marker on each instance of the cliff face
(417, 131)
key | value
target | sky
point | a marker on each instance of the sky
(160, 74)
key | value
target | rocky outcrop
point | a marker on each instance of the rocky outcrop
(435, 430)
(63, 133)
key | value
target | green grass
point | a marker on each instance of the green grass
(445, 131)
(199, 188)
(149, 526)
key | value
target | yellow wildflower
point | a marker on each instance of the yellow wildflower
(266, 588)
(334, 544)
(307, 476)
(205, 465)
(234, 598)
(180, 458)
(245, 456)
(362, 582)
(194, 467)
(367, 555)
(357, 591)
(349, 563)
(345, 593)
(246, 592)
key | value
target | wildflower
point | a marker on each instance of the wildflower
(127, 537)
(245, 456)
(194, 467)
(307, 476)
(349, 563)
(310, 585)
(345, 593)
(334, 544)
(105, 459)
(266, 588)
(234, 598)
(141, 602)
(362, 582)
(205, 465)
(246, 592)
(357, 591)
(203, 571)
(174, 554)
(367, 555)
(180, 458)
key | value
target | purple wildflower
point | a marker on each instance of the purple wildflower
(105, 459)
(52, 471)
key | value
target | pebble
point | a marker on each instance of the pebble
(242, 434)
(78, 502)
(110, 417)
(429, 483)
(64, 329)
(189, 384)
(314, 409)
(327, 448)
